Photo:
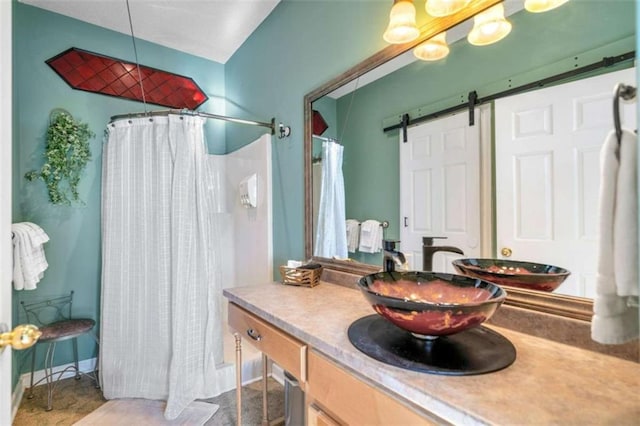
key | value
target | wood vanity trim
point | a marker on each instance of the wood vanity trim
(283, 349)
(557, 304)
(349, 400)
(317, 417)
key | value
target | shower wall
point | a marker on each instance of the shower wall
(246, 232)
(246, 235)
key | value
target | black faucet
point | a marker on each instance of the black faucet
(392, 257)
(428, 250)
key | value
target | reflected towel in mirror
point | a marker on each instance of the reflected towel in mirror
(370, 236)
(353, 235)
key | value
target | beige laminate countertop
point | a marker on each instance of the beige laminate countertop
(549, 383)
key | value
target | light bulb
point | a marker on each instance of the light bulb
(402, 23)
(537, 6)
(433, 49)
(445, 7)
(489, 26)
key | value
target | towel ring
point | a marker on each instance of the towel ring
(627, 93)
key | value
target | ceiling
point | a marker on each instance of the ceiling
(212, 29)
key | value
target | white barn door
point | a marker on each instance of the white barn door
(440, 189)
(547, 174)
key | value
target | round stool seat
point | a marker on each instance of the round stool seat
(66, 329)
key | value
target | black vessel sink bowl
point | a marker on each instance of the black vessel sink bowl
(431, 304)
(514, 273)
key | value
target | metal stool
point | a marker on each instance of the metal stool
(54, 319)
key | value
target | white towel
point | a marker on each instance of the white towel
(614, 320)
(370, 236)
(353, 235)
(29, 261)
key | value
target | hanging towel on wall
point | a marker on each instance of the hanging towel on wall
(29, 261)
(615, 320)
(370, 236)
(353, 235)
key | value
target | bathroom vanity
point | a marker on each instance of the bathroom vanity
(304, 330)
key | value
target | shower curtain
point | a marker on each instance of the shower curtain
(160, 331)
(331, 233)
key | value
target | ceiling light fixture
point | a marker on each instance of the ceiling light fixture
(538, 6)
(433, 49)
(445, 7)
(489, 26)
(402, 23)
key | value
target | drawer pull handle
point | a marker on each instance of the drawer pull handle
(254, 334)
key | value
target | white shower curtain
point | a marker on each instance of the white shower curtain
(160, 331)
(331, 233)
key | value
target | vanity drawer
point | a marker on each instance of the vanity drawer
(349, 400)
(283, 349)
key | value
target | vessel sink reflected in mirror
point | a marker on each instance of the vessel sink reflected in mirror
(431, 304)
(532, 276)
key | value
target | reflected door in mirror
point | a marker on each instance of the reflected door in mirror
(548, 175)
(440, 189)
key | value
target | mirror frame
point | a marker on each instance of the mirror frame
(566, 306)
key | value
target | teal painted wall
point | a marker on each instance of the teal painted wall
(74, 250)
(577, 34)
(301, 45)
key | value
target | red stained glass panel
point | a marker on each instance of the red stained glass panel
(95, 73)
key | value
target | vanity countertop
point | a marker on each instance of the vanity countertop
(549, 382)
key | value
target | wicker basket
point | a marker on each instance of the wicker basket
(300, 277)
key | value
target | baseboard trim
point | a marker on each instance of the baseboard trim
(16, 399)
(85, 366)
(277, 373)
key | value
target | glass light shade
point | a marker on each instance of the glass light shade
(537, 6)
(445, 7)
(489, 26)
(402, 23)
(433, 49)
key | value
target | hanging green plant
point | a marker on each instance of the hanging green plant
(66, 156)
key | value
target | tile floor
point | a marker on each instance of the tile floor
(74, 399)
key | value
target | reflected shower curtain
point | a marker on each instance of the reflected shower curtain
(331, 233)
(160, 331)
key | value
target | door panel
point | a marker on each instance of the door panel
(533, 197)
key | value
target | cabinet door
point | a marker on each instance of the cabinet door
(354, 402)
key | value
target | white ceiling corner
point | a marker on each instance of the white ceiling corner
(212, 29)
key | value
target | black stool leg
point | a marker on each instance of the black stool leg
(75, 357)
(95, 368)
(48, 371)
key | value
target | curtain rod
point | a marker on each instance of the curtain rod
(271, 125)
(322, 138)
(605, 62)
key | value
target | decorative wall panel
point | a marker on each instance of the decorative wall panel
(96, 73)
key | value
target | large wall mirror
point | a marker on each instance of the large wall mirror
(363, 109)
